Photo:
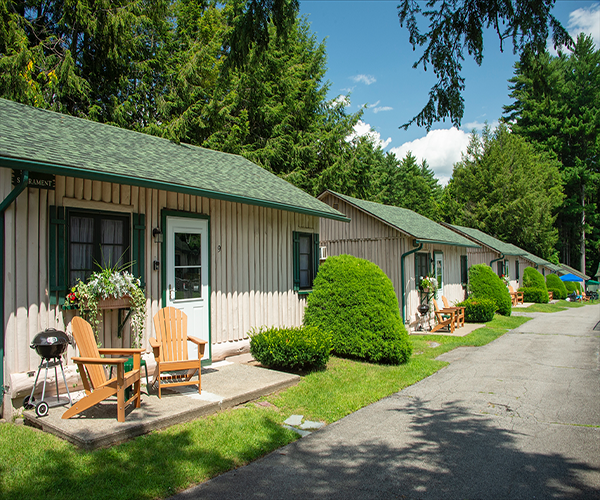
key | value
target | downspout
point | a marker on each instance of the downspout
(496, 260)
(419, 247)
(12, 196)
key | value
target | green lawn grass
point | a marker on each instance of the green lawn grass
(38, 465)
(561, 305)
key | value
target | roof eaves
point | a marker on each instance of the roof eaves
(72, 171)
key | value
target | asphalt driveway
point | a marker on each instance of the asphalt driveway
(517, 418)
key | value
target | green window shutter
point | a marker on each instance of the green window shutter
(464, 269)
(296, 260)
(57, 255)
(317, 254)
(138, 247)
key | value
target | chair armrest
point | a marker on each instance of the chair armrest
(196, 340)
(124, 350)
(100, 361)
(154, 343)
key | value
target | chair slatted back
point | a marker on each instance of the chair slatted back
(511, 289)
(171, 331)
(445, 301)
(86, 342)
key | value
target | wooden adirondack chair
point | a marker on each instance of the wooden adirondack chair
(97, 387)
(516, 297)
(443, 317)
(459, 312)
(171, 350)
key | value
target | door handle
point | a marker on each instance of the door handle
(171, 293)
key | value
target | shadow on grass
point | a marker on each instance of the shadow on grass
(153, 466)
(443, 453)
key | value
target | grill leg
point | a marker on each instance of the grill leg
(65, 380)
(45, 379)
(56, 379)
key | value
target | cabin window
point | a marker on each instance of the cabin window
(96, 239)
(517, 271)
(306, 260)
(500, 267)
(438, 258)
(464, 270)
(78, 239)
(506, 270)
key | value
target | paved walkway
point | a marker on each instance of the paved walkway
(517, 418)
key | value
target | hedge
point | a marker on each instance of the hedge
(533, 280)
(484, 283)
(478, 310)
(354, 300)
(557, 286)
(291, 348)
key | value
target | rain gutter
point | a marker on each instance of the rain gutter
(12, 196)
(419, 246)
(496, 260)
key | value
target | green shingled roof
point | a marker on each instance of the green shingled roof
(489, 241)
(409, 222)
(44, 141)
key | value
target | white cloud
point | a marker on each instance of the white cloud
(366, 79)
(374, 104)
(344, 100)
(480, 126)
(441, 148)
(364, 129)
(382, 108)
(585, 20)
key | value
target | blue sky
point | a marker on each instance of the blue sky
(370, 58)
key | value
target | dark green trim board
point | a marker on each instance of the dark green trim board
(496, 260)
(404, 255)
(12, 196)
(163, 268)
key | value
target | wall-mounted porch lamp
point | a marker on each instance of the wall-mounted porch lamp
(158, 235)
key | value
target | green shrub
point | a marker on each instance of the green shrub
(354, 300)
(557, 286)
(478, 310)
(556, 293)
(536, 295)
(291, 348)
(532, 278)
(484, 283)
(572, 286)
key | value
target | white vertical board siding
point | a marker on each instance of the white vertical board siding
(481, 255)
(251, 263)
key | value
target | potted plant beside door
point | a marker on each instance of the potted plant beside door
(111, 288)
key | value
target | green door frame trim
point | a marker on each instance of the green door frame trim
(419, 246)
(12, 196)
(18, 164)
(163, 270)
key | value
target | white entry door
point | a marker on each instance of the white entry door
(187, 275)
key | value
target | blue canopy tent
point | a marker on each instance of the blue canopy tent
(571, 277)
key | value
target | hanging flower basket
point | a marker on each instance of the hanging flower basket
(111, 288)
(120, 303)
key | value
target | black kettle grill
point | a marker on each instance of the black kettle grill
(50, 345)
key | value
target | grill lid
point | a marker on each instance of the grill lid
(50, 336)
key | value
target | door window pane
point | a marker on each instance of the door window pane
(188, 269)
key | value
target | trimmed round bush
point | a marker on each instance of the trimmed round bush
(478, 310)
(533, 279)
(557, 286)
(291, 348)
(535, 295)
(354, 300)
(572, 286)
(484, 283)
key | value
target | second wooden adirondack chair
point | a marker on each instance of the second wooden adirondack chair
(171, 350)
(91, 369)
(516, 297)
(443, 317)
(459, 312)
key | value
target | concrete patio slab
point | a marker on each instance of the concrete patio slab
(224, 385)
